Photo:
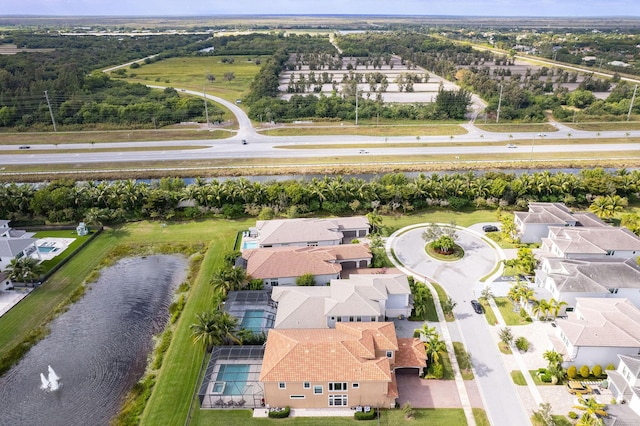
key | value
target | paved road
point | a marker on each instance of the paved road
(503, 404)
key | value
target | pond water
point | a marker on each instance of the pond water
(99, 347)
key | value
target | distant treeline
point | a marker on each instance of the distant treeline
(120, 201)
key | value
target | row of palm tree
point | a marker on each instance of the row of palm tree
(128, 199)
(521, 294)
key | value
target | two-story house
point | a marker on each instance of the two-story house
(568, 279)
(14, 244)
(533, 225)
(598, 331)
(361, 298)
(351, 365)
(591, 243)
(624, 382)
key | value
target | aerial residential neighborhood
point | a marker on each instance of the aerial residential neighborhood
(320, 213)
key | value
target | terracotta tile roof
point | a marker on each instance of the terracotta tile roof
(392, 390)
(345, 353)
(411, 353)
(280, 262)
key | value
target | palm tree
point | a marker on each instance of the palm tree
(541, 307)
(605, 207)
(227, 328)
(25, 269)
(427, 332)
(591, 407)
(552, 357)
(587, 420)
(487, 294)
(228, 279)
(434, 346)
(205, 330)
(555, 306)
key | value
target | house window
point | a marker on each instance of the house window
(389, 354)
(273, 282)
(312, 244)
(282, 385)
(355, 385)
(338, 386)
(317, 390)
(351, 319)
(339, 319)
(306, 385)
(613, 290)
(610, 252)
(296, 396)
(569, 309)
(337, 400)
(358, 319)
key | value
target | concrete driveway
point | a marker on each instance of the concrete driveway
(421, 393)
(461, 281)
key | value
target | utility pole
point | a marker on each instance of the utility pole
(206, 111)
(53, 120)
(499, 105)
(633, 98)
(356, 105)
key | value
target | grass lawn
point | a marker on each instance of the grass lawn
(439, 417)
(518, 378)
(191, 73)
(504, 348)
(488, 311)
(515, 127)
(447, 369)
(442, 295)
(49, 264)
(458, 253)
(596, 127)
(480, 417)
(506, 309)
(382, 131)
(390, 224)
(465, 367)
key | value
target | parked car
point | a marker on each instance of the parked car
(490, 228)
(24, 147)
(510, 145)
(477, 307)
(578, 388)
(244, 142)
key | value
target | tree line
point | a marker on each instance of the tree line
(66, 201)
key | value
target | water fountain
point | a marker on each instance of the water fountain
(50, 382)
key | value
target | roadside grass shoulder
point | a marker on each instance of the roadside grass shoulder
(506, 309)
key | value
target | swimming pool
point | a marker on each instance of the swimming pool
(234, 377)
(249, 245)
(252, 320)
(47, 249)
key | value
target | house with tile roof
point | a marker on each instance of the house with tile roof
(598, 331)
(590, 243)
(280, 266)
(569, 279)
(361, 298)
(533, 225)
(351, 365)
(309, 231)
(624, 382)
(14, 244)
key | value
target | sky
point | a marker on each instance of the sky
(551, 8)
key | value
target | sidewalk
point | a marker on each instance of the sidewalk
(9, 298)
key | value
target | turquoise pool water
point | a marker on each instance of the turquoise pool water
(252, 320)
(235, 376)
(249, 245)
(47, 249)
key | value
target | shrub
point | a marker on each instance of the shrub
(361, 415)
(610, 367)
(306, 280)
(573, 415)
(542, 371)
(584, 371)
(437, 371)
(522, 344)
(596, 370)
(280, 414)
(572, 372)
(546, 378)
(255, 284)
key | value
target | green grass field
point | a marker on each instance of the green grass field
(415, 130)
(191, 73)
(506, 309)
(518, 378)
(427, 417)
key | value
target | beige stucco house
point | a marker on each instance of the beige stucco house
(533, 225)
(280, 266)
(598, 331)
(590, 243)
(309, 231)
(361, 298)
(351, 365)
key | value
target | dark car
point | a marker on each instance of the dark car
(244, 142)
(490, 228)
(24, 147)
(477, 307)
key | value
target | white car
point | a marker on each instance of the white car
(510, 145)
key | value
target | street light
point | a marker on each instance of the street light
(533, 142)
